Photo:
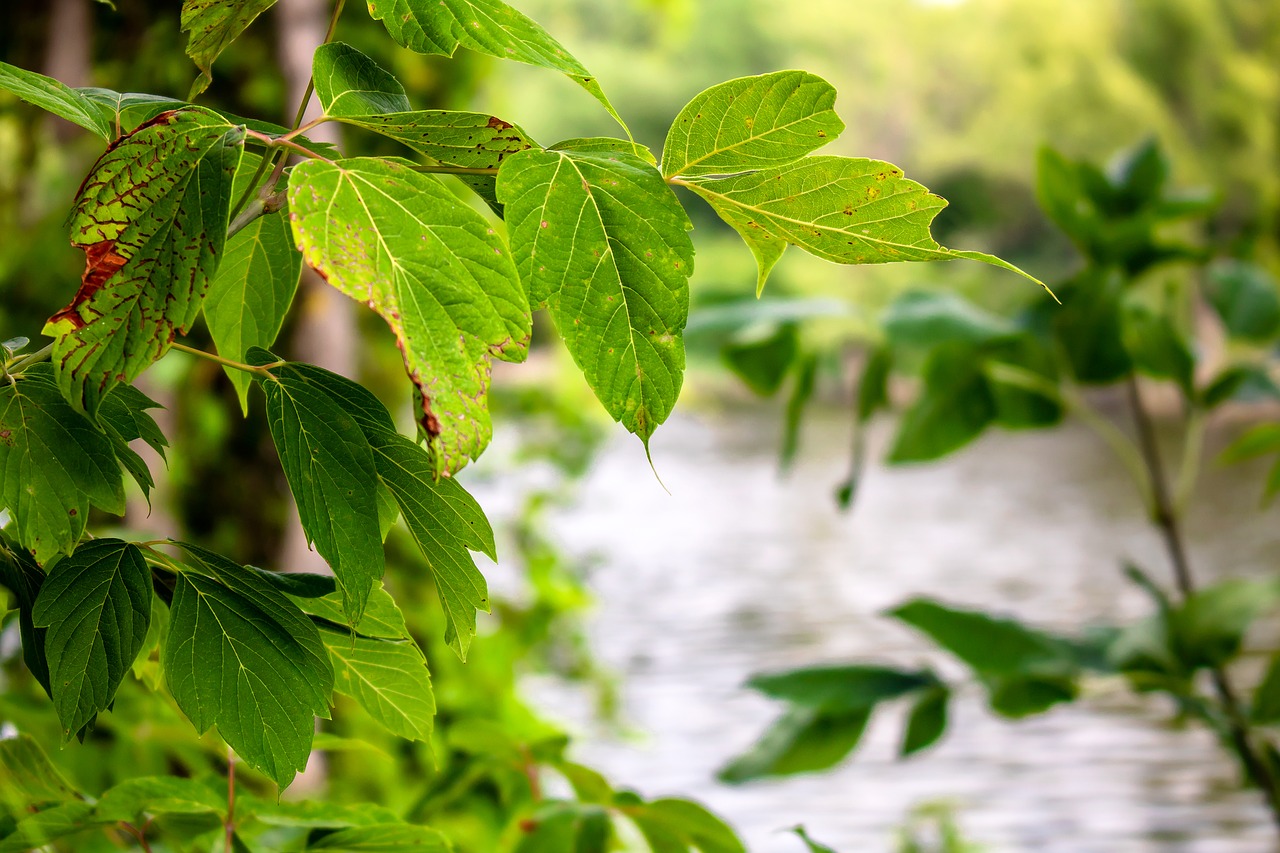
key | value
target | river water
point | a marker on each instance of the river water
(739, 570)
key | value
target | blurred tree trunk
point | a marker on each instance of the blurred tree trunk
(325, 333)
(69, 53)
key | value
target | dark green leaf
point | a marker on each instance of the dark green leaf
(332, 476)
(1245, 297)
(686, 823)
(601, 239)
(124, 410)
(751, 123)
(241, 656)
(20, 573)
(96, 605)
(806, 379)
(1156, 346)
(841, 688)
(1139, 175)
(383, 838)
(873, 386)
(762, 356)
(954, 407)
(1266, 697)
(301, 584)
(1210, 626)
(562, 827)
(802, 740)
(1019, 697)
(844, 210)
(151, 218)
(348, 83)
(1244, 382)
(1088, 326)
(927, 721)
(1059, 190)
(55, 97)
(988, 644)
(1023, 380)
(53, 464)
(433, 269)
(485, 26)
(42, 828)
(214, 24)
(925, 319)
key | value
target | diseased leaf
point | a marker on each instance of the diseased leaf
(383, 838)
(751, 123)
(844, 210)
(54, 463)
(251, 294)
(601, 239)
(348, 83)
(434, 269)
(241, 656)
(151, 218)
(331, 473)
(485, 26)
(96, 605)
(214, 24)
(37, 830)
(55, 97)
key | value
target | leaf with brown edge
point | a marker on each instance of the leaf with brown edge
(433, 269)
(151, 218)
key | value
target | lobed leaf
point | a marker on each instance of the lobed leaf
(151, 218)
(486, 26)
(212, 25)
(348, 83)
(96, 605)
(241, 656)
(751, 123)
(54, 463)
(53, 96)
(840, 209)
(602, 240)
(434, 269)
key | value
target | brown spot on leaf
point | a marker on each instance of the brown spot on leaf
(100, 263)
(498, 124)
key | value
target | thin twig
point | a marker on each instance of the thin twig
(265, 370)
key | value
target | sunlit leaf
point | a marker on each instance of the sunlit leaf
(55, 97)
(212, 25)
(602, 240)
(348, 83)
(433, 269)
(96, 605)
(151, 218)
(751, 123)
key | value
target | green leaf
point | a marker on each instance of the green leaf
(1063, 198)
(37, 830)
(214, 24)
(1023, 379)
(314, 813)
(124, 410)
(27, 777)
(690, 825)
(954, 407)
(1266, 697)
(134, 798)
(20, 573)
(53, 464)
(803, 740)
(1210, 626)
(1259, 440)
(383, 838)
(1244, 382)
(1244, 296)
(990, 645)
(241, 656)
(566, 827)
(927, 721)
(814, 846)
(433, 269)
(751, 123)
(151, 218)
(55, 97)
(389, 679)
(1023, 696)
(762, 356)
(253, 289)
(802, 387)
(841, 688)
(924, 319)
(348, 83)
(331, 473)
(844, 210)
(601, 239)
(486, 26)
(96, 604)
(1156, 346)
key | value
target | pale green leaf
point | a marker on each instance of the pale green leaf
(381, 619)
(35, 831)
(331, 473)
(241, 656)
(431, 267)
(27, 777)
(752, 123)
(134, 798)
(314, 813)
(388, 678)
(53, 464)
(348, 83)
(212, 25)
(601, 238)
(151, 218)
(254, 287)
(486, 26)
(55, 97)
(690, 825)
(844, 210)
(383, 838)
(96, 604)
